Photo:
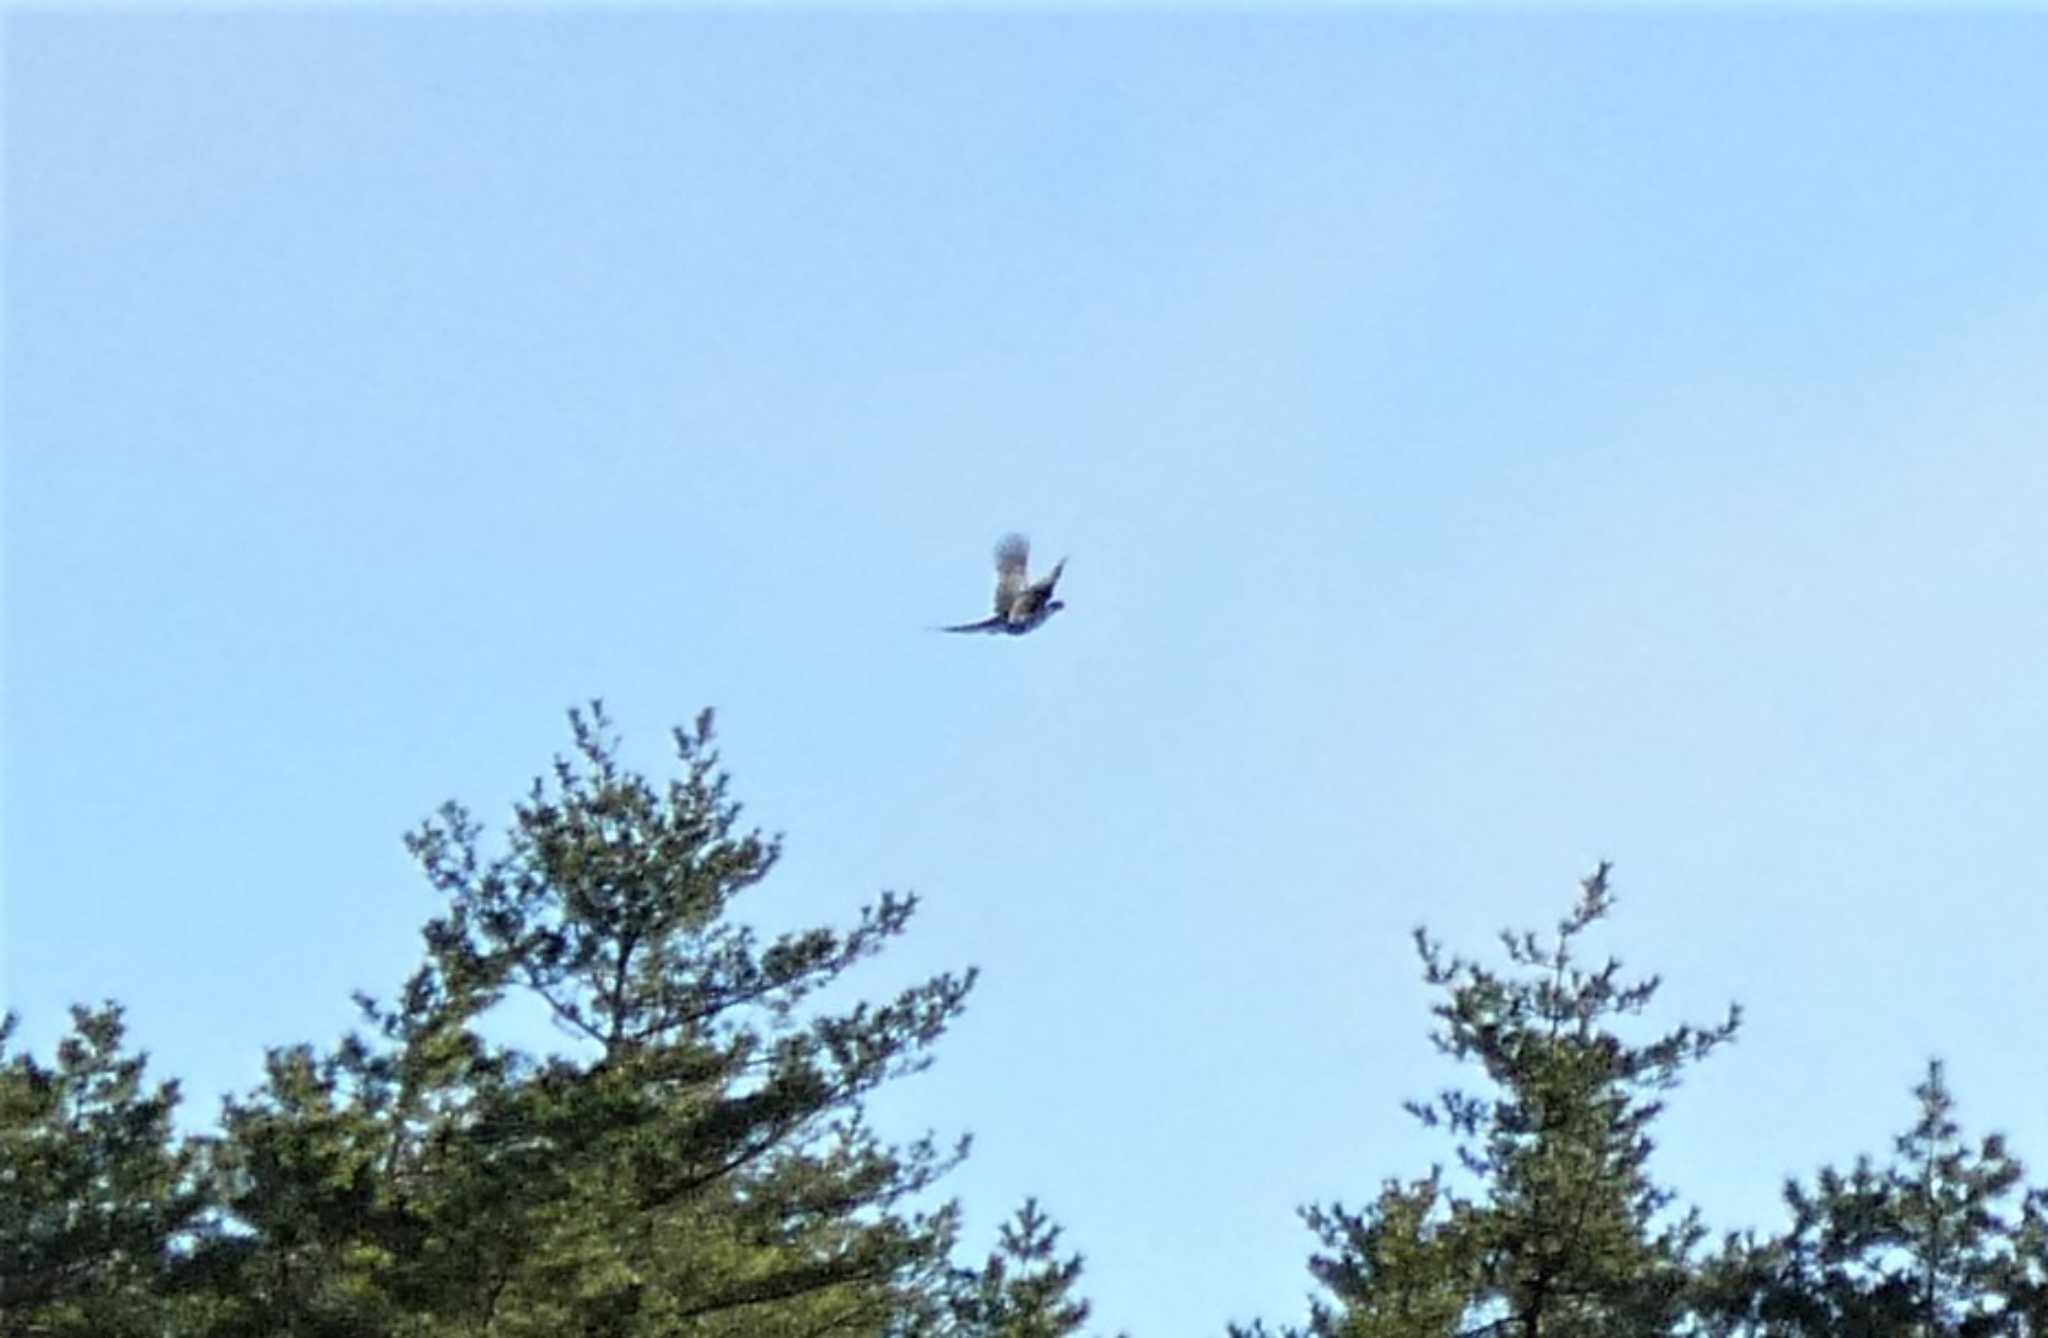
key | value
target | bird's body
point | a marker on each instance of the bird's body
(1022, 604)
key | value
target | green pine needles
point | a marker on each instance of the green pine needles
(691, 1155)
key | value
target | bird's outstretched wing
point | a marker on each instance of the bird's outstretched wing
(1013, 557)
(985, 625)
(1041, 589)
(1027, 603)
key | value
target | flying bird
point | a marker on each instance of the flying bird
(1021, 603)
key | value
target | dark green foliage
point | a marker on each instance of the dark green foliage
(692, 1158)
(1025, 1290)
(696, 1163)
(2026, 1284)
(1943, 1240)
(1561, 1230)
(1398, 1268)
(93, 1192)
(707, 1165)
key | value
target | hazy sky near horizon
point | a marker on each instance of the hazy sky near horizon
(1485, 444)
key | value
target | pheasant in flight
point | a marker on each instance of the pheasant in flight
(1021, 604)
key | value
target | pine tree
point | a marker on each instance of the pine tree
(1398, 1268)
(1924, 1246)
(2025, 1284)
(696, 1163)
(1558, 1232)
(1024, 1290)
(95, 1193)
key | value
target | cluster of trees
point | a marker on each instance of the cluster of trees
(1551, 1226)
(697, 1161)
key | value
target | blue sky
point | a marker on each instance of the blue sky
(1484, 443)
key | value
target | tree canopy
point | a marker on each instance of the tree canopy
(1547, 1221)
(693, 1154)
(695, 1159)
